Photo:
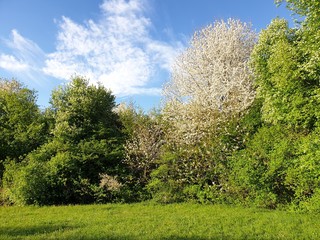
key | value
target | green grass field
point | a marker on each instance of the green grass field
(149, 221)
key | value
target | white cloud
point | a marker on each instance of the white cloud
(10, 63)
(117, 50)
(121, 7)
(163, 54)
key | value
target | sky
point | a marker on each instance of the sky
(128, 46)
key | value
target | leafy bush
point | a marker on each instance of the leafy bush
(26, 183)
(163, 189)
(303, 177)
(259, 171)
(63, 179)
(196, 171)
(86, 143)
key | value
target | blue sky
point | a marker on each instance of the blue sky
(127, 45)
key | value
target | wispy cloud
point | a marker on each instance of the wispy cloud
(26, 58)
(117, 50)
(25, 49)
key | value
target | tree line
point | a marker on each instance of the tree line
(239, 125)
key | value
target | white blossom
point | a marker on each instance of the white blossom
(211, 80)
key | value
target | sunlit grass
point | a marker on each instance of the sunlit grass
(149, 221)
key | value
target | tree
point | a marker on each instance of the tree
(285, 152)
(259, 171)
(288, 91)
(22, 125)
(81, 158)
(211, 80)
(83, 111)
(304, 8)
(142, 148)
(143, 144)
(210, 90)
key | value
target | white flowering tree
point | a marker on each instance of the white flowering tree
(211, 80)
(210, 88)
(143, 143)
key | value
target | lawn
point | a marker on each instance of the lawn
(150, 221)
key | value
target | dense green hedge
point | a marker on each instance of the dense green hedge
(85, 149)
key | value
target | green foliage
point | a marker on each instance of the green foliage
(304, 175)
(278, 167)
(72, 174)
(144, 139)
(259, 171)
(25, 183)
(311, 204)
(83, 111)
(22, 126)
(286, 65)
(216, 142)
(305, 8)
(288, 98)
(200, 171)
(162, 187)
(86, 143)
(279, 164)
(143, 143)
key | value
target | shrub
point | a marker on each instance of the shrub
(303, 176)
(26, 183)
(259, 171)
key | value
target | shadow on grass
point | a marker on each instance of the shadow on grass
(177, 238)
(20, 232)
(165, 238)
(203, 238)
(44, 231)
(124, 237)
(41, 232)
(188, 238)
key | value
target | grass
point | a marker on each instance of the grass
(150, 221)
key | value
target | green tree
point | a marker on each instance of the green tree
(310, 9)
(289, 95)
(279, 165)
(22, 126)
(303, 176)
(201, 171)
(142, 148)
(86, 147)
(83, 111)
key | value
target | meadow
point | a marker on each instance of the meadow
(151, 221)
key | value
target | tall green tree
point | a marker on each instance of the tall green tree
(279, 165)
(83, 111)
(22, 126)
(289, 90)
(310, 9)
(78, 163)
